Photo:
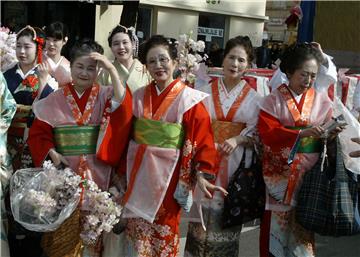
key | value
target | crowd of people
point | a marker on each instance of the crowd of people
(164, 146)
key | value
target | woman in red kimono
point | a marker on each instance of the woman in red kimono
(290, 124)
(67, 125)
(172, 145)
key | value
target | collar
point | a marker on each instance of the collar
(22, 75)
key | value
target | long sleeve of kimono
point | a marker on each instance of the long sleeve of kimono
(273, 133)
(116, 136)
(200, 139)
(40, 141)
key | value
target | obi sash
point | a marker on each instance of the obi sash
(307, 144)
(76, 140)
(21, 115)
(226, 129)
(158, 133)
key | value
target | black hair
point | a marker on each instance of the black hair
(119, 29)
(157, 40)
(27, 31)
(57, 30)
(295, 55)
(84, 47)
(243, 41)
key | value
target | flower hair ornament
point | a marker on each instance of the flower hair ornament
(134, 38)
(40, 42)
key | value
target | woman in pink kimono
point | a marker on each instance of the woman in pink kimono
(59, 66)
(290, 121)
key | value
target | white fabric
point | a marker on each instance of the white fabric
(247, 113)
(356, 102)
(158, 164)
(351, 130)
(325, 77)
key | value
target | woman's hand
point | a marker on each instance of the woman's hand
(206, 187)
(43, 71)
(119, 89)
(228, 146)
(312, 132)
(57, 158)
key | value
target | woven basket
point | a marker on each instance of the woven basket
(65, 241)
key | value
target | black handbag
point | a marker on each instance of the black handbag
(328, 200)
(246, 199)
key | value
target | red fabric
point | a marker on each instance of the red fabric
(264, 238)
(252, 81)
(40, 141)
(116, 139)
(273, 133)
(345, 90)
(331, 92)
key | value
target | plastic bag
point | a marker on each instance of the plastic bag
(42, 199)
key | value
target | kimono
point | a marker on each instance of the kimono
(23, 88)
(60, 70)
(172, 139)
(282, 116)
(135, 78)
(232, 113)
(7, 111)
(70, 123)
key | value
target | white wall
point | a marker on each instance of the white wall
(246, 27)
(173, 22)
(107, 17)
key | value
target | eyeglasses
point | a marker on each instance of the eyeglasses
(162, 59)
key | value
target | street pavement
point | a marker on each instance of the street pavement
(325, 246)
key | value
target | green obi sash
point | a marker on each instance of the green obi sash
(158, 133)
(308, 144)
(76, 140)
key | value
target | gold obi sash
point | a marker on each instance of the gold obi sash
(21, 116)
(158, 133)
(308, 144)
(225, 129)
(76, 140)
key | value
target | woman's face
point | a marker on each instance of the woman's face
(159, 64)
(53, 46)
(26, 50)
(121, 47)
(83, 71)
(235, 63)
(304, 77)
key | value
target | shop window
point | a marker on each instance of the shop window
(211, 29)
(143, 24)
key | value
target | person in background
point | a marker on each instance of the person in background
(326, 75)
(215, 55)
(233, 109)
(56, 39)
(28, 81)
(124, 45)
(292, 113)
(263, 55)
(171, 146)
(8, 109)
(76, 111)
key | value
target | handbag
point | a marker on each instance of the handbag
(246, 195)
(328, 200)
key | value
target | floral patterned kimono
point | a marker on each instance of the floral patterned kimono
(70, 123)
(7, 111)
(232, 113)
(60, 70)
(24, 89)
(282, 116)
(135, 78)
(171, 133)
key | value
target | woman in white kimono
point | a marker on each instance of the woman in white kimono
(124, 46)
(233, 108)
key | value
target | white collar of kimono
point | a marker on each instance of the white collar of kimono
(296, 96)
(79, 94)
(20, 72)
(158, 91)
(53, 65)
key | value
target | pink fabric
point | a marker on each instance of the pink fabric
(59, 114)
